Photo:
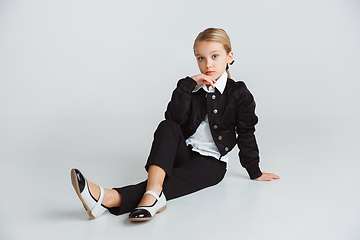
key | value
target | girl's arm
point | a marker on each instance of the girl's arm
(179, 106)
(249, 151)
(245, 127)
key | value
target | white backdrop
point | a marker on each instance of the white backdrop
(99, 58)
(85, 83)
(67, 63)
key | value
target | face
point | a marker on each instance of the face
(212, 58)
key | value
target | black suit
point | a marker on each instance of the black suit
(187, 171)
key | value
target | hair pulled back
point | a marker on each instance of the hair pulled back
(215, 35)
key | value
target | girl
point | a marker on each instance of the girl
(207, 116)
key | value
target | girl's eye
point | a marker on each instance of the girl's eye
(215, 56)
(200, 58)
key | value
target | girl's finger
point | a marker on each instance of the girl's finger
(212, 84)
(211, 81)
(275, 176)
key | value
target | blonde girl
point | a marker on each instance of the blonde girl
(208, 115)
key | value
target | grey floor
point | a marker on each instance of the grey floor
(316, 198)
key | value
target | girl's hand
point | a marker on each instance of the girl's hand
(201, 79)
(267, 177)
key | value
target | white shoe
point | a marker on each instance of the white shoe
(92, 206)
(148, 212)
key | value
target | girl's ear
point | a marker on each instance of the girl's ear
(230, 57)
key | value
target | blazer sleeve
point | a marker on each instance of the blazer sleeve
(245, 127)
(179, 106)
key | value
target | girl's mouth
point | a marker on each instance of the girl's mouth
(209, 72)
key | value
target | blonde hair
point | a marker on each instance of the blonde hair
(215, 35)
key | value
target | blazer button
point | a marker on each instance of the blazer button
(213, 96)
(215, 126)
(226, 149)
(215, 111)
(220, 137)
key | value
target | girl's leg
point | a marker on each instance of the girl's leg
(194, 175)
(173, 167)
(156, 176)
(111, 197)
(168, 146)
(198, 173)
(167, 151)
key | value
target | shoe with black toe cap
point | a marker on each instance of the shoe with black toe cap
(93, 207)
(145, 213)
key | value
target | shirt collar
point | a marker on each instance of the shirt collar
(220, 85)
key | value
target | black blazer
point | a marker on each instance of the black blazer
(231, 116)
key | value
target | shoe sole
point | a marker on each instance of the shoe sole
(75, 184)
(147, 219)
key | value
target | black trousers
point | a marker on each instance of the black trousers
(186, 170)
